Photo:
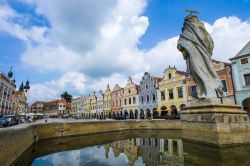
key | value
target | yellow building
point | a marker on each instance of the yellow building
(172, 92)
(107, 102)
(130, 99)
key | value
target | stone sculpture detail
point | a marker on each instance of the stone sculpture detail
(196, 45)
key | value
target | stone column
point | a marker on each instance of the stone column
(161, 145)
(170, 147)
(180, 147)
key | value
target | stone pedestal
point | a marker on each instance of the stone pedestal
(209, 121)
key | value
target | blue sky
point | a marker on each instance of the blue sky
(80, 46)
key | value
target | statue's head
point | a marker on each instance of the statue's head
(191, 18)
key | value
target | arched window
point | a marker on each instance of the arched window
(153, 97)
(169, 76)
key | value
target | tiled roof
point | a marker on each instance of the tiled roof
(158, 79)
(38, 102)
(182, 73)
(68, 106)
(225, 63)
(137, 87)
(50, 103)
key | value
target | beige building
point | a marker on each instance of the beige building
(84, 106)
(53, 108)
(130, 99)
(93, 103)
(20, 104)
(99, 105)
(74, 106)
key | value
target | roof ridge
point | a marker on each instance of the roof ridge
(244, 48)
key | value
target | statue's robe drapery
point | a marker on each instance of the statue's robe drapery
(196, 45)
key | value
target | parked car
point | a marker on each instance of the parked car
(3, 122)
(121, 117)
(11, 119)
(65, 116)
(177, 116)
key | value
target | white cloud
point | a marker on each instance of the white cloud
(94, 43)
(230, 34)
(9, 24)
(90, 37)
(73, 82)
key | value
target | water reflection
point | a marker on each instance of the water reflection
(139, 147)
(133, 151)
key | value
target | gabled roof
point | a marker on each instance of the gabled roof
(137, 87)
(38, 102)
(182, 73)
(158, 79)
(117, 87)
(244, 51)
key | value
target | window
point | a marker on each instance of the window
(147, 98)
(169, 76)
(153, 97)
(180, 92)
(125, 101)
(247, 78)
(146, 86)
(193, 92)
(129, 91)
(134, 100)
(162, 95)
(141, 99)
(129, 101)
(171, 94)
(244, 61)
(224, 85)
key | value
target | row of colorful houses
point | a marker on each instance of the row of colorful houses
(153, 97)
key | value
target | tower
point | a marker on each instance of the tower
(10, 73)
(26, 88)
(21, 87)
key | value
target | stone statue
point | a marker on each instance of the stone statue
(196, 45)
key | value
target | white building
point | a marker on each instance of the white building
(7, 89)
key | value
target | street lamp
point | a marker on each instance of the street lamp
(96, 108)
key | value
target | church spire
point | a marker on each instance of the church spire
(10, 73)
(21, 87)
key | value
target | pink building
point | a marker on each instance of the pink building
(117, 99)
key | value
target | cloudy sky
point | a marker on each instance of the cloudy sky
(82, 45)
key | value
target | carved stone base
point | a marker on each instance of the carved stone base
(216, 124)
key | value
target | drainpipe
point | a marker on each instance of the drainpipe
(230, 72)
